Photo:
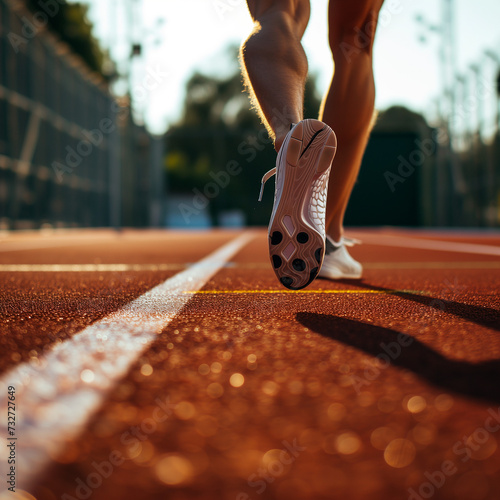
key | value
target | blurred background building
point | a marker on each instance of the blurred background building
(76, 149)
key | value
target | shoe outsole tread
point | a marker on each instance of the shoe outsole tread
(296, 240)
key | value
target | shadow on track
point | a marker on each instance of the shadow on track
(479, 380)
(480, 315)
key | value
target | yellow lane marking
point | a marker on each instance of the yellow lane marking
(241, 292)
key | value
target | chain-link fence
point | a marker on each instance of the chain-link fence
(70, 155)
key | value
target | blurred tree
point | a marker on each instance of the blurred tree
(70, 23)
(218, 131)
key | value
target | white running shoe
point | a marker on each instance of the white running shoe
(297, 226)
(338, 264)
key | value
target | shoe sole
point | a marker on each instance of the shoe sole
(296, 240)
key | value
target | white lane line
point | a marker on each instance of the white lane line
(433, 265)
(443, 246)
(10, 246)
(75, 268)
(53, 402)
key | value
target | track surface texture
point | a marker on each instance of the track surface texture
(139, 377)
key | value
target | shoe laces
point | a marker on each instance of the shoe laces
(350, 242)
(266, 177)
(344, 242)
(271, 172)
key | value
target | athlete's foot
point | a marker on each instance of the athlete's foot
(297, 226)
(338, 264)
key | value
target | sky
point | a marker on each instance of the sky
(180, 37)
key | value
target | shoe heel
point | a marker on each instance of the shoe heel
(293, 152)
(298, 131)
(326, 159)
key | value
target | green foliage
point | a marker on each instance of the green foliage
(71, 25)
(217, 128)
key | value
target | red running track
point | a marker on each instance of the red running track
(384, 388)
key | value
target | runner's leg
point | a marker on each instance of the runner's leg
(274, 62)
(349, 104)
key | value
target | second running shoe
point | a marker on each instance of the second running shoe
(338, 263)
(297, 226)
